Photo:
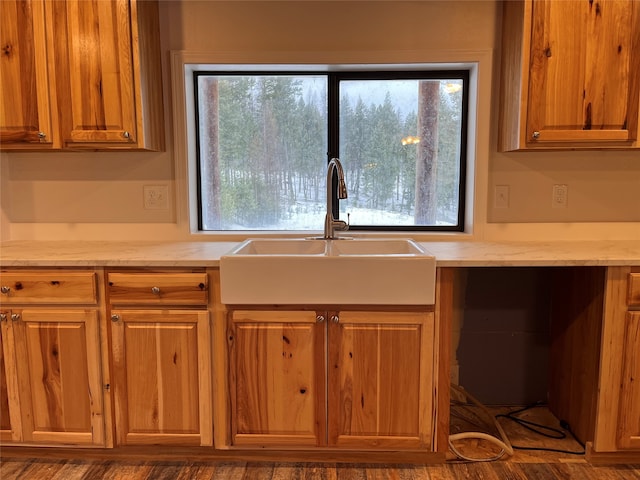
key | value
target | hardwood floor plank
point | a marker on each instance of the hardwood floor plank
(10, 469)
(351, 472)
(42, 469)
(229, 471)
(197, 471)
(38, 470)
(127, 471)
(258, 471)
(71, 471)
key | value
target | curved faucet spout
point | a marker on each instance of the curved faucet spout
(331, 224)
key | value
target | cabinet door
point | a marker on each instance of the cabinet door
(94, 72)
(381, 372)
(25, 108)
(162, 377)
(584, 70)
(57, 360)
(629, 411)
(8, 429)
(277, 381)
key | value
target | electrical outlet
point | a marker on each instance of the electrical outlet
(560, 196)
(156, 197)
(501, 196)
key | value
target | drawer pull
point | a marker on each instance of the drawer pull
(15, 316)
(5, 290)
(3, 317)
(115, 317)
(155, 290)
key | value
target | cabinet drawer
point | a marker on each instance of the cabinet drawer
(633, 298)
(48, 287)
(158, 288)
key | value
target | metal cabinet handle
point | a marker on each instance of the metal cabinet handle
(4, 289)
(15, 316)
(320, 318)
(126, 134)
(3, 317)
(535, 135)
(335, 318)
(42, 136)
(115, 317)
(155, 290)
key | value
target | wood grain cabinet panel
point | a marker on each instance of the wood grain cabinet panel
(373, 389)
(381, 379)
(634, 290)
(81, 74)
(162, 370)
(158, 288)
(108, 73)
(54, 376)
(6, 430)
(570, 74)
(277, 378)
(629, 410)
(161, 354)
(27, 91)
(52, 286)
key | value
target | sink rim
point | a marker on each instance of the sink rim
(321, 247)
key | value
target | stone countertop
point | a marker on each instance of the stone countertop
(207, 254)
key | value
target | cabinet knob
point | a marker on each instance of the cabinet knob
(42, 136)
(320, 318)
(126, 134)
(155, 290)
(335, 318)
(15, 316)
(535, 135)
(115, 317)
(5, 290)
(3, 317)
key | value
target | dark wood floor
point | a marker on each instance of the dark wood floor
(43, 469)
(551, 464)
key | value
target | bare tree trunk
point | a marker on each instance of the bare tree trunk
(427, 152)
(211, 182)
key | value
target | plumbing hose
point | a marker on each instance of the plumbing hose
(504, 444)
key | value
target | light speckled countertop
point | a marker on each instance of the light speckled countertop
(191, 254)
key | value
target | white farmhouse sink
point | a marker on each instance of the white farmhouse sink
(328, 272)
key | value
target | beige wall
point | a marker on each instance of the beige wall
(99, 195)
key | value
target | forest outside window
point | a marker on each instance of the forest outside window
(264, 140)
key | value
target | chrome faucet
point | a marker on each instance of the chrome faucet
(331, 224)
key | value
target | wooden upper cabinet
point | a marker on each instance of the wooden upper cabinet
(570, 74)
(108, 72)
(26, 89)
(102, 61)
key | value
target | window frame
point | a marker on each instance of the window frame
(477, 62)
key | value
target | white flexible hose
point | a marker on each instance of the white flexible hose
(504, 444)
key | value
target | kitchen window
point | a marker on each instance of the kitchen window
(264, 140)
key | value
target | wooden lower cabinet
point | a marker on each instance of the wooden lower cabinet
(629, 413)
(161, 372)
(277, 362)
(595, 358)
(350, 379)
(5, 415)
(381, 378)
(52, 386)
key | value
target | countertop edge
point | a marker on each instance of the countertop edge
(207, 254)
